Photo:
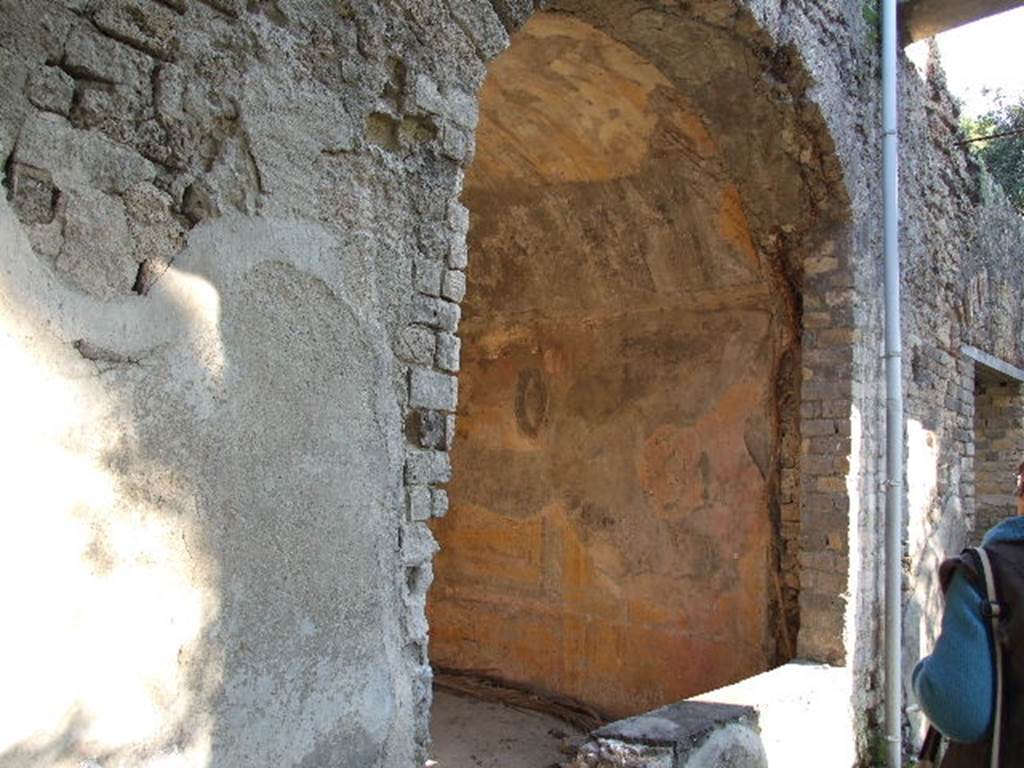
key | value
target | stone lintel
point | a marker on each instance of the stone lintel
(920, 19)
(992, 362)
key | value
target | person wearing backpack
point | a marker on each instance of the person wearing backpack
(971, 686)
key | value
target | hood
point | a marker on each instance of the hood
(1011, 529)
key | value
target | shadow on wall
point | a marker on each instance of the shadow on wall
(199, 521)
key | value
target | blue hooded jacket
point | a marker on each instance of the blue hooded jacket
(955, 686)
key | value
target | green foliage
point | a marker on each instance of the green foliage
(871, 13)
(873, 19)
(997, 138)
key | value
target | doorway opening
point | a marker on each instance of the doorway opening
(998, 446)
(628, 393)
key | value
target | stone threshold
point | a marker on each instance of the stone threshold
(687, 734)
(794, 716)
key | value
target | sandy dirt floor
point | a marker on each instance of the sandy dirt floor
(469, 733)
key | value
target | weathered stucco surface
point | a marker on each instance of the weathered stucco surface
(233, 261)
(177, 510)
(202, 460)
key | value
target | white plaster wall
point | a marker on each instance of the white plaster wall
(196, 546)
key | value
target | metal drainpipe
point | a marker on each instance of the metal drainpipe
(894, 398)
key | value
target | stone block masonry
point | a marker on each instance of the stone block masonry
(190, 187)
(231, 318)
(998, 448)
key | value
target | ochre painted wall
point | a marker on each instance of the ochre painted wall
(610, 537)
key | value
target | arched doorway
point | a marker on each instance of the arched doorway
(629, 394)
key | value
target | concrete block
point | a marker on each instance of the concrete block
(427, 275)
(439, 502)
(433, 390)
(141, 24)
(786, 700)
(449, 351)
(734, 746)
(419, 500)
(453, 287)
(432, 429)
(458, 218)
(416, 344)
(97, 253)
(415, 622)
(418, 544)
(33, 195)
(51, 89)
(612, 753)
(461, 108)
(481, 24)
(425, 467)
(457, 143)
(458, 254)
(425, 96)
(436, 313)
(449, 431)
(79, 159)
(92, 56)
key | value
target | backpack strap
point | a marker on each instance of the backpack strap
(992, 610)
(967, 562)
(929, 753)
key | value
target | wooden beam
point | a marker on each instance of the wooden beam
(920, 19)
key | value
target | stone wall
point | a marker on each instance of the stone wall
(233, 257)
(182, 178)
(998, 449)
(962, 286)
(215, 214)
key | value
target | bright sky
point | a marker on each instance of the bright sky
(986, 54)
